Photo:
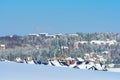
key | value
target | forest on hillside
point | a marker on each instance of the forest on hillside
(42, 47)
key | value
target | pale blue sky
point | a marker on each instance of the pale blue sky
(64, 16)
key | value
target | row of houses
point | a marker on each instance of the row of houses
(98, 42)
(46, 35)
(68, 62)
(91, 57)
(94, 57)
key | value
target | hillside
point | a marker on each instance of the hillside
(43, 46)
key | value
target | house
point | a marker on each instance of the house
(109, 42)
(76, 44)
(64, 47)
(76, 35)
(2, 46)
(50, 36)
(34, 35)
(43, 35)
(58, 35)
(19, 60)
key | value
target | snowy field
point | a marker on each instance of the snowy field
(114, 69)
(19, 71)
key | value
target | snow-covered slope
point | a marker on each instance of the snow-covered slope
(18, 71)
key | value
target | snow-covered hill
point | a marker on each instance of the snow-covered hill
(18, 71)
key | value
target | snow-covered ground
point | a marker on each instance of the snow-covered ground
(19, 71)
(114, 69)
